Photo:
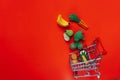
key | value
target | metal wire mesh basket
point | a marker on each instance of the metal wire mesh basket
(81, 69)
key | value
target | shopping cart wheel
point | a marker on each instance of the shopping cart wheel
(76, 74)
(76, 77)
(98, 76)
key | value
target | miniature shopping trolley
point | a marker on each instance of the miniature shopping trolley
(89, 68)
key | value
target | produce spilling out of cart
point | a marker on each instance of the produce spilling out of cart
(82, 58)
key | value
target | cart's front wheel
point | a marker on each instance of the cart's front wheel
(98, 76)
(76, 77)
(76, 74)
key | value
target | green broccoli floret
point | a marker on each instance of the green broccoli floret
(78, 36)
(73, 46)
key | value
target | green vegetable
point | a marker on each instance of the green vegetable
(76, 45)
(69, 32)
(66, 37)
(80, 46)
(73, 46)
(83, 54)
(78, 36)
(74, 17)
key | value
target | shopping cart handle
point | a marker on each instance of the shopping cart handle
(104, 52)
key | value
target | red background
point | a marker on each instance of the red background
(32, 45)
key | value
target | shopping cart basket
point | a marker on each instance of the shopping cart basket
(92, 67)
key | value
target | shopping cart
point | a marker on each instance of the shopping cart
(94, 52)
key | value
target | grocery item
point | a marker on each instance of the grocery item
(69, 32)
(74, 18)
(66, 37)
(62, 22)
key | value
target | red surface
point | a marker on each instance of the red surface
(32, 45)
